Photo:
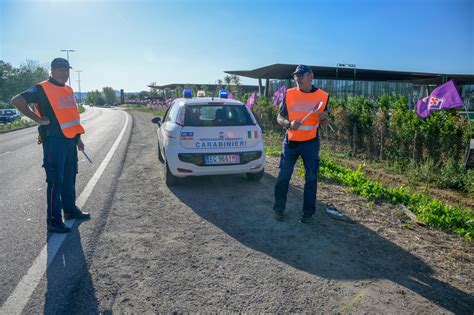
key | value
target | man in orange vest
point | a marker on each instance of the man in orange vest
(59, 132)
(302, 111)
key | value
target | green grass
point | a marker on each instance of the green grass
(19, 124)
(144, 108)
(431, 211)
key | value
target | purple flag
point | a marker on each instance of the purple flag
(279, 95)
(445, 96)
(252, 100)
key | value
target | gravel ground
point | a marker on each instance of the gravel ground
(211, 244)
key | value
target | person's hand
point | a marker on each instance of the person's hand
(323, 119)
(43, 121)
(295, 124)
(80, 145)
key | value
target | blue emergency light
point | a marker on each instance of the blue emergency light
(223, 93)
(187, 93)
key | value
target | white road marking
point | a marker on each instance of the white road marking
(23, 291)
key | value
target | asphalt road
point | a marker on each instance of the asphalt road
(23, 204)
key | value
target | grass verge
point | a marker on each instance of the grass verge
(19, 124)
(157, 112)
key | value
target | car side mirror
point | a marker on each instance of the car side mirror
(156, 120)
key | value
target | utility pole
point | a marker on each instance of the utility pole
(67, 52)
(79, 83)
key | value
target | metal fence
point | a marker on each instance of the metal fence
(346, 88)
(381, 143)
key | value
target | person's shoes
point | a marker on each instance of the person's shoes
(306, 219)
(60, 228)
(77, 215)
(279, 215)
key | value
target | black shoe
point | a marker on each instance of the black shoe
(306, 218)
(61, 228)
(279, 215)
(77, 215)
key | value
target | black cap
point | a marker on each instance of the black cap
(60, 63)
(302, 69)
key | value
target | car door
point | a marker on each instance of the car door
(160, 127)
(166, 120)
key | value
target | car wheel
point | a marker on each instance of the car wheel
(255, 176)
(160, 156)
(170, 179)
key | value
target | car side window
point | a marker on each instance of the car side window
(166, 115)
(173, 112)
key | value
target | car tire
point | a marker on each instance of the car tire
(255, 176)
(170, 179)
(160, 156)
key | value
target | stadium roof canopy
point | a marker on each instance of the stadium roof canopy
(283, 72)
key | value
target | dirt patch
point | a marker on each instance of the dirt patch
(211, 244)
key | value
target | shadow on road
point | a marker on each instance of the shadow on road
(327, 248)
(70, 285)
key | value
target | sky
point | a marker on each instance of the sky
(130, 44)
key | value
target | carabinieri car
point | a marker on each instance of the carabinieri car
(209, 136)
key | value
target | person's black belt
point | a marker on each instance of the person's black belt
(293, 143)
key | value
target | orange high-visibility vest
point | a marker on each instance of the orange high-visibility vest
(298, 105)
(65, 109)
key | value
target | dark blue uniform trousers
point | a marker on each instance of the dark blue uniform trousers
(60, 164)
(309, 151)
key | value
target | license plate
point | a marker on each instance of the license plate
(222, 159)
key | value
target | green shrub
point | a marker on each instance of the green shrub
(266, 114)
(426, 172)
(452, 175)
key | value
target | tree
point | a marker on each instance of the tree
(227, 80)
(95, 98)
(16, 80)
(109, 95)
(153, 90)
(237, 85)
(90, 98)
(178, 91)
(100, 99)
(143, 94)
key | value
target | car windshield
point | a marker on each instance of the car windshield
(9, 112)
(212, 115)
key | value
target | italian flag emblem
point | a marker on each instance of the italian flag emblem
(252, 134)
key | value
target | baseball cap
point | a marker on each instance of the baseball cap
(60, 63)
(302, 69)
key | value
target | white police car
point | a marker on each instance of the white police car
(209, 136)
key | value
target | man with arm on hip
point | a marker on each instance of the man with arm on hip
(303, 109)
(60, 133)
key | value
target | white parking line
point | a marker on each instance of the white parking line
(22, 293)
